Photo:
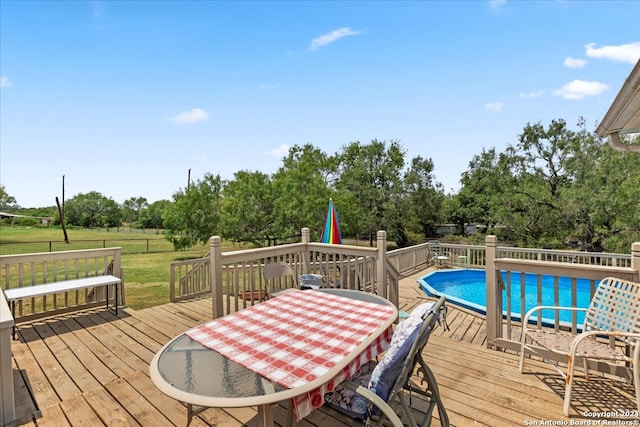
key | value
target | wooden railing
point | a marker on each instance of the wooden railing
(407, 260)
(239, 281)
(236, 274)
(348, 266)
(475, 255)
(189, 278)
(605, 259)
(50, 267)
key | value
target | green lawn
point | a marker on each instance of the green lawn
(146, 274)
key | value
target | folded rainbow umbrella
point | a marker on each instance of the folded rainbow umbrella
(331, 230)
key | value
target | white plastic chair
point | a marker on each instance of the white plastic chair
(279, 278)
(437, 254)
(614, 312)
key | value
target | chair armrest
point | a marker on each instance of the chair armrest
(579, 337)
(525, 322)
(376, 400)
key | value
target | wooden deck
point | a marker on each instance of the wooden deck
(92, 368)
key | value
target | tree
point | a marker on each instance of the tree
(533, 211)
(603, 198)
(92, 210)
(371, 175)
(194, 215)
(131, 208)
(484, 186)
(7, 201)
(301, 191)
(151, 216)
(555, 183)
(424, 198)
(247, 209)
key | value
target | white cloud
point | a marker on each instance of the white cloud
(574, 62)
(493, 106)
(578, 89)
(279, 152)
(536, 94)
(5, 82)
(331, 37)
(497, 3)
(192, 116)
(624, 53)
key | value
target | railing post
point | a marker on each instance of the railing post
(215, 275)
(306, 256)
(7, 398)
(635, 259)
(381, 245)
(494, 293)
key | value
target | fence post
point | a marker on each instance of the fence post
(635, 259)
(381, 245)
(494, 293)
(215, 276)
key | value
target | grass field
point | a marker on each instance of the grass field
(146, 274)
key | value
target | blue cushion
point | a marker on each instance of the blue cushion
(386, 372)
(380, 376)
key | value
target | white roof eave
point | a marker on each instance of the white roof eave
(624, 114)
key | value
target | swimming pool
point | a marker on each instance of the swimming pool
(467, 288)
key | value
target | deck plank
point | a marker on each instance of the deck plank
(36, 380)
(145, 413)
(110, 411)
(57, 377)
(88, 359)
(51, 416)
(68, 360)
(79, 412)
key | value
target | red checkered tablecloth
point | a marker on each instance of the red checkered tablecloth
(297, 337)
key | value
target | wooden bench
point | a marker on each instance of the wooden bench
(25, 292)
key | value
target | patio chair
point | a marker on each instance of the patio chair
(437, 253)
(614, 313)
(377, 391)
(279, 278)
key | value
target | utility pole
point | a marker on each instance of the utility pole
(62, 197)
(61, 213)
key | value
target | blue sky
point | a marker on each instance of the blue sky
(125, 97)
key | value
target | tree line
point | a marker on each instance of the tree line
(553, 186)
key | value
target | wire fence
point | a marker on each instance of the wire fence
(128, 245)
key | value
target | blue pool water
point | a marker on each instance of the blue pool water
(468, 289)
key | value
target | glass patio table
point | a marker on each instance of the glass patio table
(222, 364)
